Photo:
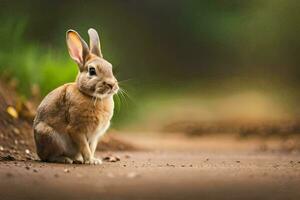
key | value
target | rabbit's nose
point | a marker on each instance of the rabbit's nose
(109, 84)
(116, 87)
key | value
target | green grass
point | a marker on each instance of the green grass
(30, 63)
(33, 66)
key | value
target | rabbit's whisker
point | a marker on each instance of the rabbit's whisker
(130, 79)
(127, 95)
(123, 96)
(118, 107)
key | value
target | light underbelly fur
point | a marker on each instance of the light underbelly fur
(98, 133)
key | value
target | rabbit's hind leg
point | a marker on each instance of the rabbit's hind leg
(50, 145)
(60, 159)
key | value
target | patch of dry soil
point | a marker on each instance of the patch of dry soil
(158, 175)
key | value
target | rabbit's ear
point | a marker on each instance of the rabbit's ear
(95, 42)
(78, 49)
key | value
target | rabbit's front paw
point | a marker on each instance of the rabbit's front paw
(93, 161)
(78, 159)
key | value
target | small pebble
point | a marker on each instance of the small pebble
(127, 156)
(66, 170)
(35, 170)
(111, 158)
(170, 165)
(27, 151)
(16, 131)
(132, 175)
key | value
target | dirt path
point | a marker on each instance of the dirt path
(164, 174)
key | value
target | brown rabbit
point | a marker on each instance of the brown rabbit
(71, 119)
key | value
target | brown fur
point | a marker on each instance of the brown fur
(71, 118)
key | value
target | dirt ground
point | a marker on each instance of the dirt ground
(169, 168)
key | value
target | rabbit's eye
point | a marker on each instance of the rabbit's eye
(92, 71)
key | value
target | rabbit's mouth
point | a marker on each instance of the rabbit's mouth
(104, 92)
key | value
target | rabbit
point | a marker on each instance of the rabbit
(71, 119)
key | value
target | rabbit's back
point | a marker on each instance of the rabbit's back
(53, 109)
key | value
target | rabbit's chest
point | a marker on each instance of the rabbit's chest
(99, 122)
(98, 131)
(91, 119)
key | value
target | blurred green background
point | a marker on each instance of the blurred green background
(200, 60)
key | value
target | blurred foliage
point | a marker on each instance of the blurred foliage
(164, 48)
(31, 63)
